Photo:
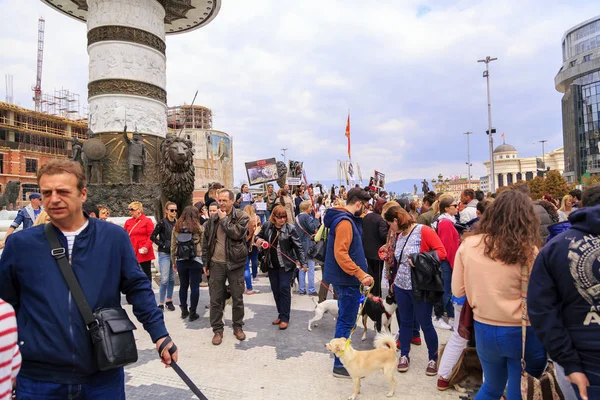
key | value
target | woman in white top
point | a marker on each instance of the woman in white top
(566, 206)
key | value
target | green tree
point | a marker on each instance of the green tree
(537, 187)
(591, 180)
(555, 184)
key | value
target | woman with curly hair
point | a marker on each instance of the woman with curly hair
(487, 269)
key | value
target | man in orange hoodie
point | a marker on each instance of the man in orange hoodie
(346, 264)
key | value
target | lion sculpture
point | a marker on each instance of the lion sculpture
(10, 195)
(176, 174)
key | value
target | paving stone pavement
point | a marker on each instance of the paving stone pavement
(270, 364)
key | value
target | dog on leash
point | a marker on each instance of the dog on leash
(379, 311)
(327, 306)
(362, 363)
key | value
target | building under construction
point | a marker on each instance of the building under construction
(29, 139)
(189, 117)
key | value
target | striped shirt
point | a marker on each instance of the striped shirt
(10, 356)
(71, 237)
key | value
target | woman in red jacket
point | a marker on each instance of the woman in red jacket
(413, 238)
(139, 227)
(449, 237)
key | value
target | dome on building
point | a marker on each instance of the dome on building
(503, 148)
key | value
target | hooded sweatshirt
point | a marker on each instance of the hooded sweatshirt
(564, 295)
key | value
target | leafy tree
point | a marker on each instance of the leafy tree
(555, 184)
(537, 187)
(591, 180)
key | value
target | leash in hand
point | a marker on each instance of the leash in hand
(178, 369)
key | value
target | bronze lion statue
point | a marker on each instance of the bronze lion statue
(10, 195)
(177, 174)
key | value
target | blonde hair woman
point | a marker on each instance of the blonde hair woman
(566, 206)
(42, 219)
(139, 228)
(253, 223)
(104, 213)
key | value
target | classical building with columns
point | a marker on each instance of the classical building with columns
(509, 167)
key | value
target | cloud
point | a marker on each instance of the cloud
(285, 73)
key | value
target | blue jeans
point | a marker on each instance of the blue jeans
(190, 276)
(311, 278)
(167, 277)
(252, 258)
(348, 303)
(105, 385)
(262, 218)
(499, 350)
(447, 298)
(416, 327)
(409, 308)
(281, 280)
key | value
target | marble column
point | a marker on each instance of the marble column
(127, 69)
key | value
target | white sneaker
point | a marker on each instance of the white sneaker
(451, 321)
(440, 324)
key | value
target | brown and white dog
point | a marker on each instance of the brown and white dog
(362, 363)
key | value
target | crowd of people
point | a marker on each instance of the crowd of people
(507, 259)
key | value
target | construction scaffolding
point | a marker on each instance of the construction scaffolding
(190, 117)
(63, 103)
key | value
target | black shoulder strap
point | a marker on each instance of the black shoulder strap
(60, 254)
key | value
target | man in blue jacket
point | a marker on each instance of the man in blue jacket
(564, 297)
(346, 263)
(58, 360)
(25, 216)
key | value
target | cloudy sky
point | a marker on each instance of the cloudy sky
(284, 73)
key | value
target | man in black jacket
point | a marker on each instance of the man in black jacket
(162, 238)
(224, 253)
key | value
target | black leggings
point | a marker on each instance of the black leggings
(190, 275)
(146, 267)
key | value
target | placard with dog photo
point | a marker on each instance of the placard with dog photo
(294, 176)
(262, 171)
(379, 180)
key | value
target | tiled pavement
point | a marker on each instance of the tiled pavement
(269, 364)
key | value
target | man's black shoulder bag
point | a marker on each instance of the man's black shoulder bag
(110, 329)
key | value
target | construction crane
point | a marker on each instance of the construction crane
(37, 89)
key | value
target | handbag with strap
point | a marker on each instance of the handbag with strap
(111, 330)
(266, 260)
(546, 386)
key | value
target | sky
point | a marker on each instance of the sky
(285, 73)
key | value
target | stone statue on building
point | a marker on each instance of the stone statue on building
(93, 152)
(222, 150)
(136, 156)
(77, 150)
(415, 188)
(425, 186)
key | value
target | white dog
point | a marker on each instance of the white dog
(328, 306)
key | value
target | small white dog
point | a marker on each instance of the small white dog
(328, 306)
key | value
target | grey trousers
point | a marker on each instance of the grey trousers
(218, 275)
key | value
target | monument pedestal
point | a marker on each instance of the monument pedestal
(117, 197)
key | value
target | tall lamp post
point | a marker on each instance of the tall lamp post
(468, 157)
(543, 142)
(283, 154)
(486, 74)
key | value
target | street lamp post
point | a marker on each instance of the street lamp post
(283, 154)
(468, 158)
(543, 142)
(486, 74)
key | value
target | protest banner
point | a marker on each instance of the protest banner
(262, 171)
(379, 180)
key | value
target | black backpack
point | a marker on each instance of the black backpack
(186, 248)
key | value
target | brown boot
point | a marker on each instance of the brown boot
(239, 334)
(218, 338)
(283, 325)
(276, 322)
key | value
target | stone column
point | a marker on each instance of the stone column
(126, 47)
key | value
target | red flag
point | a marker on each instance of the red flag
(348, 134)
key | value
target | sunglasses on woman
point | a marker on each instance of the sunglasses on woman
(173, 210)
(133, 209)
(281, 216)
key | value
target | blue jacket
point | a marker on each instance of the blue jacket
(556, 229)
(24, 216)
(564, 296)
(308, 223)
(53, 338)
(333, 272)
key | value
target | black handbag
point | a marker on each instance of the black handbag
(111, 330)
(317, 252)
